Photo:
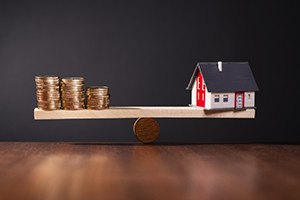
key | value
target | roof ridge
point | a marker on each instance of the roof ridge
(242, 62)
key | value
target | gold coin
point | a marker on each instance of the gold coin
(46, 77)
(73, 80)
(73, 107)
(98, 96)
(97, 107)
(72, 86)
(97, 88)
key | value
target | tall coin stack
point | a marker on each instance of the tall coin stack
(97, 97)
(72, 93)
(47, 92)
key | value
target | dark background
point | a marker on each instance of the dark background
(145, 51)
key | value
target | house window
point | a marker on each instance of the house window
(203, 86)
(225, 98)
(198, 82)
(249, 96)
(217, 98)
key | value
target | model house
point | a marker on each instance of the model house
(221, 85)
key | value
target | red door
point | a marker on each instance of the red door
(239, 100)
(200, 90)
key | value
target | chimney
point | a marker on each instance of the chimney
(220, 66)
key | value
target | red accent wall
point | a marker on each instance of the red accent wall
(200, 89)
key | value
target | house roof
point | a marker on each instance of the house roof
(234, 77)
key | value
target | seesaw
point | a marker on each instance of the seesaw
(145, 128)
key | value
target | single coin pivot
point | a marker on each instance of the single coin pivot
(146, 130)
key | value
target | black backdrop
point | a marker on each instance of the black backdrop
(146, 51)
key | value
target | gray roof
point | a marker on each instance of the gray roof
(234, 77)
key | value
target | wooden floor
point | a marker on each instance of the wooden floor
(54, 171)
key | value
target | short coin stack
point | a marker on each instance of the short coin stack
(72, 93)
(47, 92)
(97, 97)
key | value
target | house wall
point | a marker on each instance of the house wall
(207, 99)
(221, 104)
(249, 99)
(194, 94)
(200, 86)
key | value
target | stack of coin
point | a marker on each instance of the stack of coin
(47, 92)
(72, 93)
(97, 97)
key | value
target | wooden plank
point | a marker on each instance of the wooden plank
(144, 111)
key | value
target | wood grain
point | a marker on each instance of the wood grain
(54, 171)
(146, 130)
(142, 112)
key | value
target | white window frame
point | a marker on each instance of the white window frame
(198, 80)
(203, 86)
(217, 96)
(225, 96)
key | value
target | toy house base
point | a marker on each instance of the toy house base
(220, 109)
